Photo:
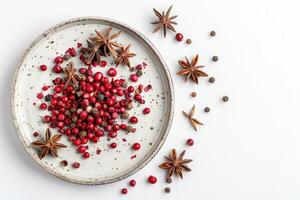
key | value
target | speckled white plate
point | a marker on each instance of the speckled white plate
(112, 164)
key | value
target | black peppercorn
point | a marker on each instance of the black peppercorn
(67, 57)
(82, 134)
(206, 109)
(139, 73)
(167, 190)
(193, 94)
(225, 98)
(47, 97)
(212, 33)
(63, 163)
(211, 79)
(125, 115)
(169, 180)
(215, 58)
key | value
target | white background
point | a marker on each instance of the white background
(249, 147)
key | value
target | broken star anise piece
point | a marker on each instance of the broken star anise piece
(191, 70)
(71, 76)
(93, 51)
(49, 145)
(194, 122)
(175, 165)
(106, 43)
(124, 55)
(164, 21)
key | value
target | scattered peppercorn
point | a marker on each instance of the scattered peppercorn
(82, 134)
(139, 73)
(129, 106)
(98, 151)
(152, 179)
(139, 67)
(190, 142)
(225, 98)
(67, 57)
(215, 58)
(35, 134)
(125, 115)
(76, 165)
(132, 183)
(189, 41)
(146, 111)
(136, 146)
(169, 180)
(167, 190)
(212, 33)
(103, 63)
(43, 67)
(179, 37)
(124, 191)
(211, 79)
(64, 163)
(86, 155)
(193, 94)
(113, 145)
(129, 129)
(206, 109)
(47, 97)
(124, 85)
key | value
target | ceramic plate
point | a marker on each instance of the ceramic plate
(111, 164)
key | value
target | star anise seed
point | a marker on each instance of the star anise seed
(175, 165)
(194, 122)
(191, 70)
(124, 55)
(93, 51)
(71, 76)
(164, 21)
(106, 43)
(49, 145)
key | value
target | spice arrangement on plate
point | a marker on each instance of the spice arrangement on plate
(100, 100)
(103, 91)
(87, 106)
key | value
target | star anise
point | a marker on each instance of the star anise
(71, 75)
(93, 51)
(164, 21)
(191, 70)
(49, 145)
(176, 165)
(106, 43)
(194, 122)
(124, 55)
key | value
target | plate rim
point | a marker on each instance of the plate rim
(156, 53)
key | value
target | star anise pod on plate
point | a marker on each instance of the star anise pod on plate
(71, 76)
(194, 122)
(93, 50)
(164, 21)
(176, 165)
(191, 70)
(106, 42)
(124, 55)
(49, 145)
